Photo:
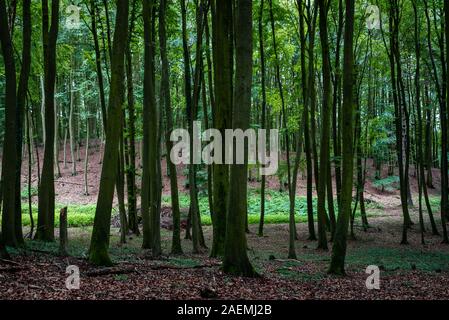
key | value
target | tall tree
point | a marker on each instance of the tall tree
(151, 200)
(264, 110)
(325, 122)
(20, 111)
(309, 120)
(166, 100)
(130, 146)
(9, 149)
(222, 49)
(46, 204)
(339, 245)
(291, 183)
(235, 259)
(98, 252)
(444, 138)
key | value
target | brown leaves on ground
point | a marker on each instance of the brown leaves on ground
(408, 272)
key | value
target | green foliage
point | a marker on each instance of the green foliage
(392, 259)
(77, 215)
(24, 193)
(389, 184)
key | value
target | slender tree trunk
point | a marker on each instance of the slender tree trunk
(20, 112)
(444, 142)
(72, 127)
(46, 204)
(264, 111)
(337, 265)
(131, 126)
(56, 140)
(166, 100)
(223, 71)
(86, 160)
(291, 184)
(29, 143)
(325, 115)
(98, 252)
(306, 120)
(151, 200)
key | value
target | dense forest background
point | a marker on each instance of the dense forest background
(90, 92)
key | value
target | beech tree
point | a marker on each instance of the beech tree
(98, 251)
(339, 245)
(46, 207)
(235, 259)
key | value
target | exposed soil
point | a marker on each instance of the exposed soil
(70, 189)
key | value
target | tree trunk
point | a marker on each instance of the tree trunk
(236, 260)
(165, 88)
(20, 112)
(306, 116)
(325, 115)
(46, 204)
(337, 265)
(444, 142)
(223, 71)
(291, 183)
(72, 127)
(131, 126)
(98, 252)
(9, 153)
(150, 203)
(63, 239)
(264, 112)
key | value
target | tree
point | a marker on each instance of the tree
(165, 96)
(264, 110)
(150, 197)
(325, 131)
(9, 149)
(46, 204)
(130, 146)
(98, 252)
(222, 49)
(291, 182)
(309, 108)
(444, 142)
(339, 245)
(235, 259)
(20, 111)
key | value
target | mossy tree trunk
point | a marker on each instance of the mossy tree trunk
(20, 111)
(166, 101)
(325, 122)
(151, 201)
(9, 155)
(46, 204)
(98, 251)
(306, 119)
(130, 146)
(235, 259)
(264, 111)
(222, 63)
(337, 265)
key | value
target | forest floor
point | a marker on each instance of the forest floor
(411, 271)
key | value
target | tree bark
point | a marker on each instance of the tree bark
(236, 260)
(98, 252)
(9, 154)
(337, 265)
(325, 130)
(166, 100)
(46, 204)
